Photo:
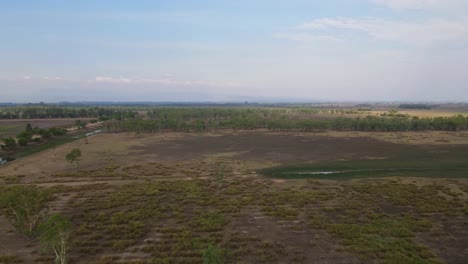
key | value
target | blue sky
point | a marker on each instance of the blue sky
(233, 50)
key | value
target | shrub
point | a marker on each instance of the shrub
(74, 156)
(213, 255)
(9, 143)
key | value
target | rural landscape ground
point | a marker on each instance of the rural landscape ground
(248, 195)
(234, 132)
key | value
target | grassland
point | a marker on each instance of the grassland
(53, 143)
(158, 198)
(267, 194)
(447, 162)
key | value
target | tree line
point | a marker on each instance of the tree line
(416, 106)
(279, 119)
(38, 112)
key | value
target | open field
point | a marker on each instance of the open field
(234, 132)
(157, 198)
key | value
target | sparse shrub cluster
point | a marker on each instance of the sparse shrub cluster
(186, 221)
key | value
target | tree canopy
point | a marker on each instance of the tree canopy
(55, 236)
(74, 156)
(24, 206)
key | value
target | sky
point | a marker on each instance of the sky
(233, 50)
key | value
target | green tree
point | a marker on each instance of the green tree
(24, 206)
(392, 112)
(25, 134)
(45, 133)
(80, 124)
(29, 127)
(9, 143)
(74, 156)
(57, 131)
(55, 236)
(23, 141)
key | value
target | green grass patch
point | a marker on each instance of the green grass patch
(41, 147)
(389, 239)
(11, 129)
(370, 168)
(427, 161)
(213, 255)
(210, 221)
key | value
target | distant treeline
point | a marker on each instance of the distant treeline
(416, 106)
(190, 119)
(36, 112)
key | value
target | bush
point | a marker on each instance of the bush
(45, 133)
(9, 143)
(56, 131)
(74, 156)
(210, 221)
(213, 255)
(22, 141)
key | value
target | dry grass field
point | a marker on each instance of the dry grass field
(159, 198)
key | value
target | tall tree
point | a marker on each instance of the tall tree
(25, 206)
(29, 127)
(55, 236)
(9, 143)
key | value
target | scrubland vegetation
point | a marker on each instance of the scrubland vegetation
(188, 222)
(247, 185)
(303, 119)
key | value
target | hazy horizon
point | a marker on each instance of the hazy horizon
(222, 51)
(238, 101)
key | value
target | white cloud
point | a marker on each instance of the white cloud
(338, 23)
(303, 36)
(106, 79)
(420, 4)
(408, 32)
(167, 80)
(56, 78)
(407, 4)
